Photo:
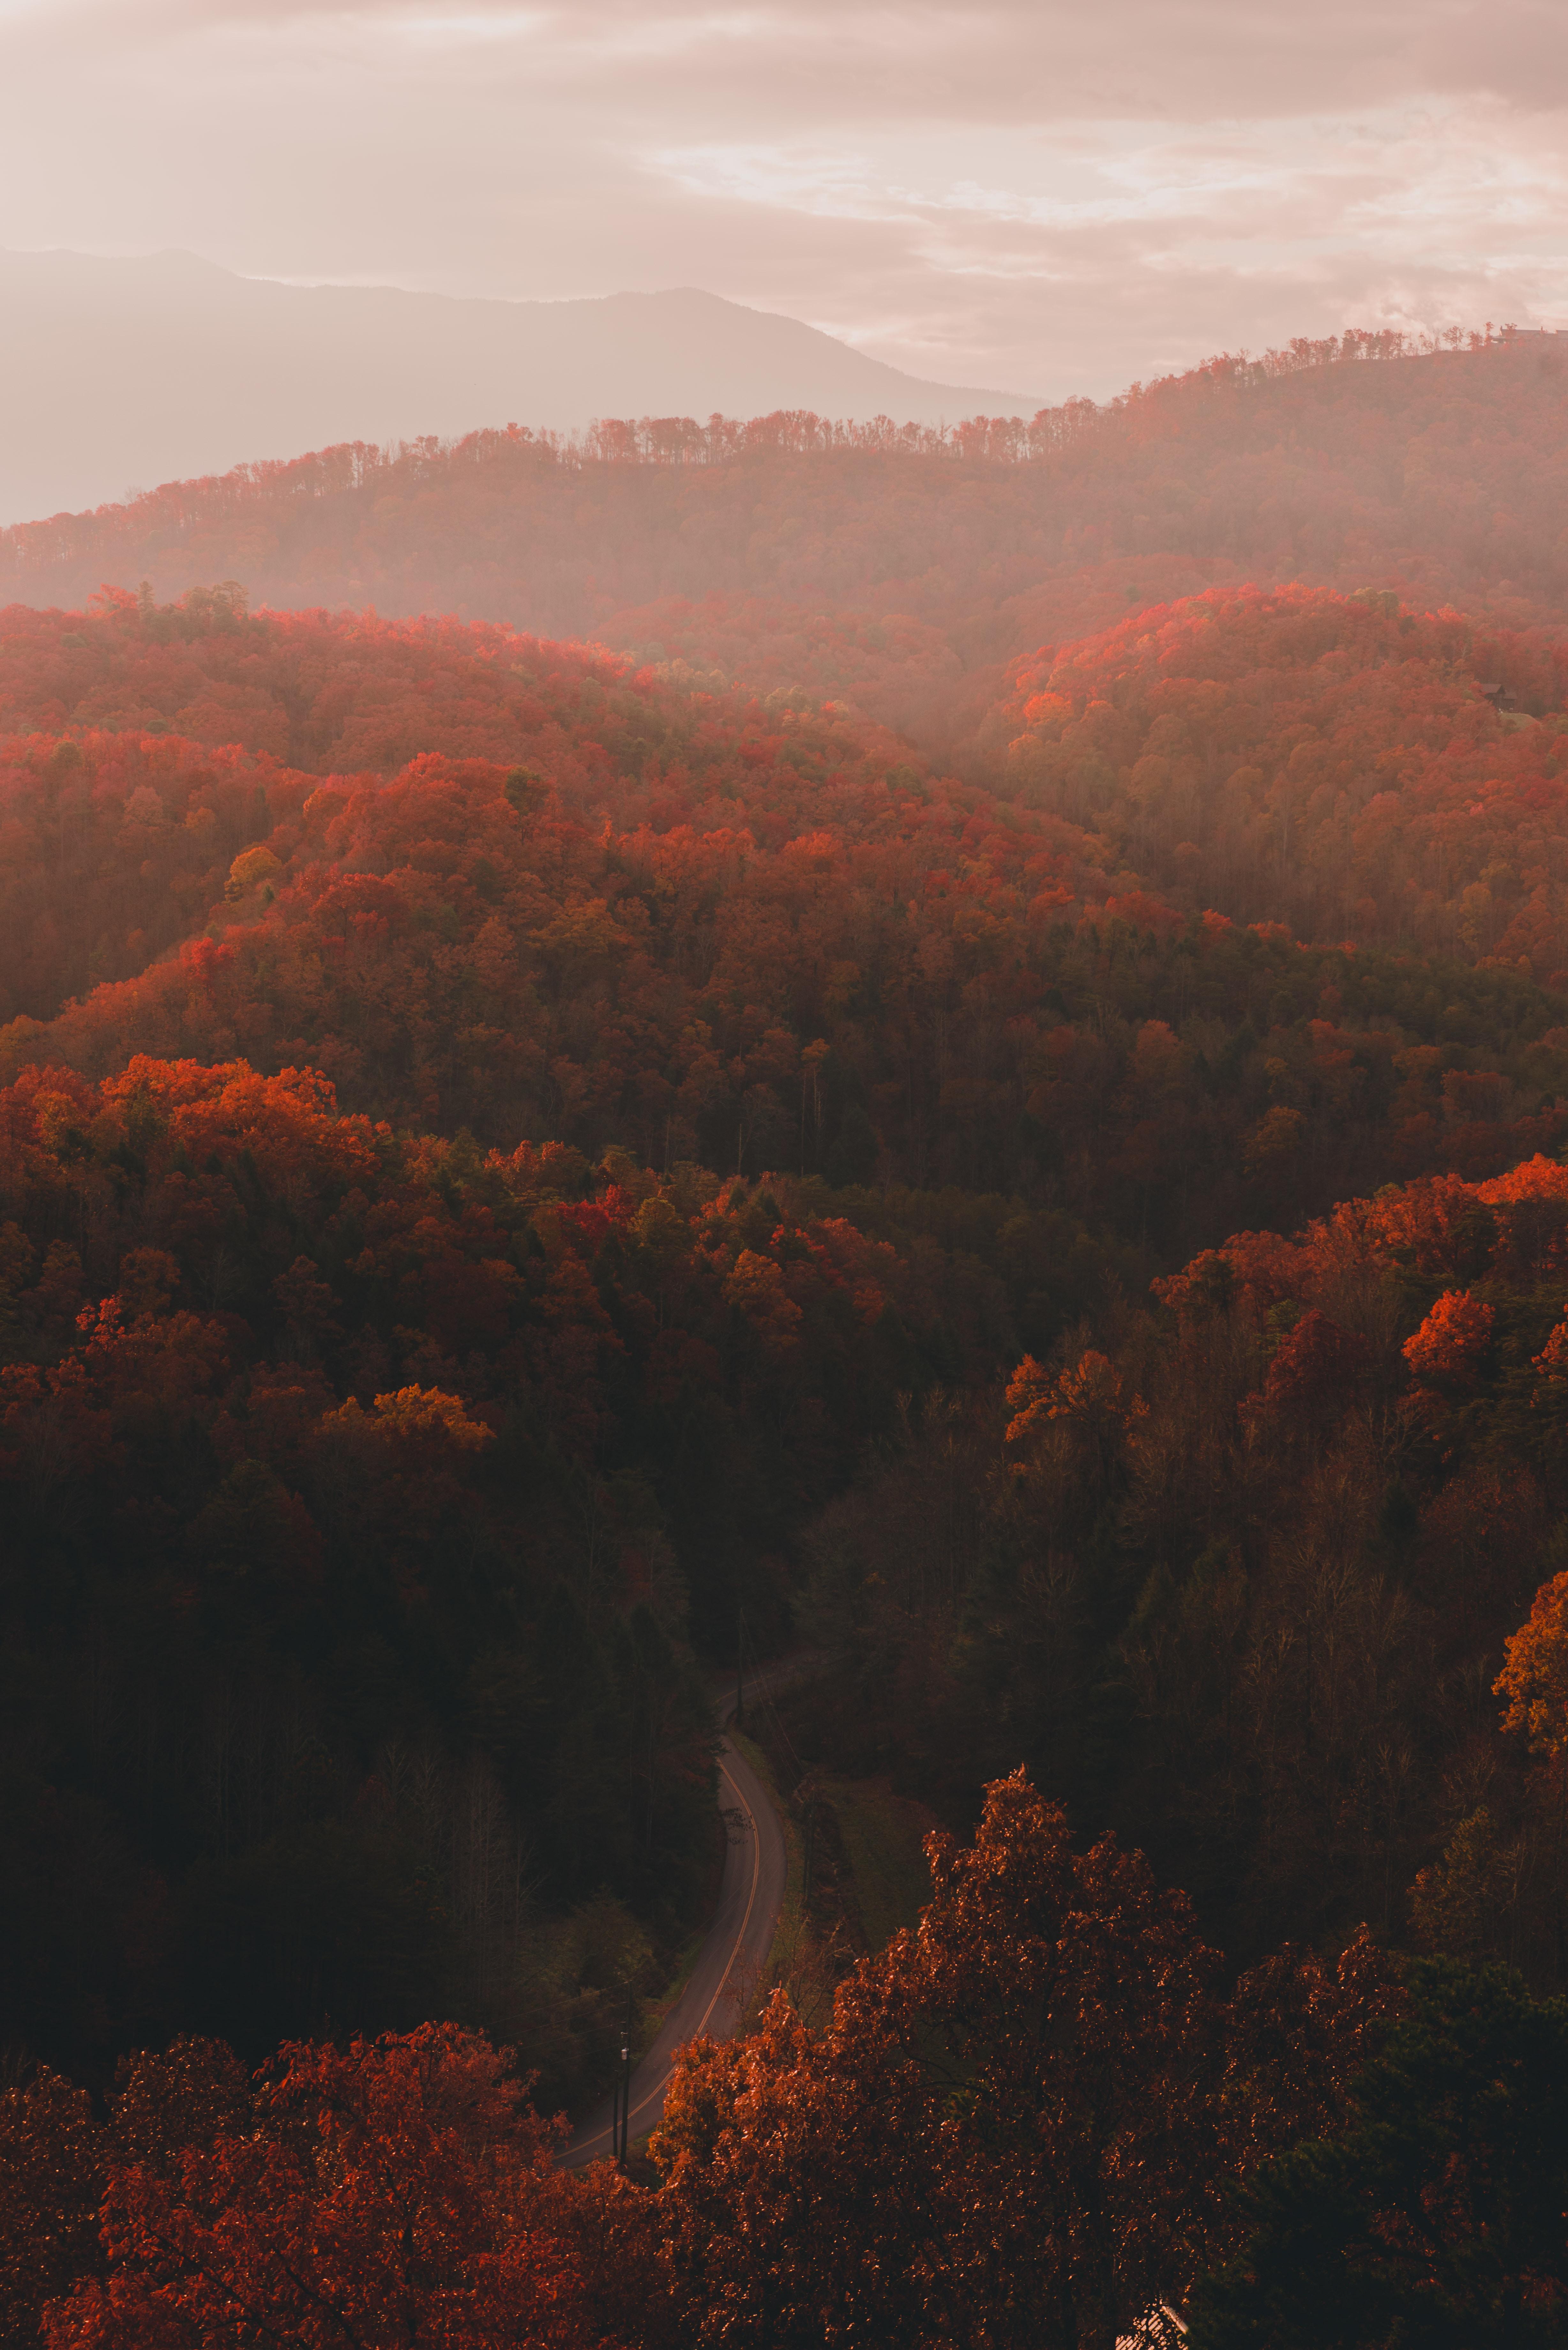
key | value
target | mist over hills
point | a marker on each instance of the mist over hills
(137, 371)
(895, 569)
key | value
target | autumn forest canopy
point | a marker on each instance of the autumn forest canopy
(941, 1055)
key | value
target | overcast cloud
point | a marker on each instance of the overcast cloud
(1050, 197)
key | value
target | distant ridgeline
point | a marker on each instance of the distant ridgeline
(1381, 446)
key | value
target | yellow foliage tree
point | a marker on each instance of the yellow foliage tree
(414, 1415)
(1534, 1676)
(250, 868)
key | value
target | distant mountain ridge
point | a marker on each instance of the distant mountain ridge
(125, 373)
(880, 566)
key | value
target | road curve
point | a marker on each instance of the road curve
(736, 1950)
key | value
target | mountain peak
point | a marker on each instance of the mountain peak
(210, 370)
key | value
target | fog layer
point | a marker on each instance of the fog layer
(122, 374)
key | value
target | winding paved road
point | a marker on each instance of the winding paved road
(750, 1895)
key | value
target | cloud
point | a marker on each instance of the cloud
(1038, 195)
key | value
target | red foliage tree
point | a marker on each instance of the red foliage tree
(395, 2192)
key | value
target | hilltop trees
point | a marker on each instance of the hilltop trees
(1325, 760)
(1350, 460)
(696, 928)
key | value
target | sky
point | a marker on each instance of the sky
(1054, 199)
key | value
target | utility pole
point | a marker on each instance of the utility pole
(805, 1874)
(1308, 1687)
(623, 2099)
(740, 1660)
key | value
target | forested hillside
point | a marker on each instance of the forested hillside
(1338, 763)
(1359, 461)
(973, 1081)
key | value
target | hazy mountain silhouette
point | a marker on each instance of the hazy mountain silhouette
(127, 373)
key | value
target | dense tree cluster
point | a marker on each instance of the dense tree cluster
(1017, 2127)
(1240, 1577)
(528, 891)
(983, 1077)
(1019, 2124)
(363, 1492)
(1025, 2125)
(392, 2192)
(1352, 462)
(1331, 762)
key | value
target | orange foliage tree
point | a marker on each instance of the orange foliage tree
(1448, 1346)
(1534, 1676)
(1016, 2125)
